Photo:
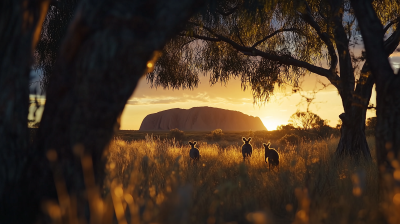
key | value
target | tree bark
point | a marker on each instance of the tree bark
(388, 106)
(352, 140)
(352, 137)
(20, 25)
(109, 46)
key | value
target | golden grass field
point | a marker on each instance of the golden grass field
(153, 181)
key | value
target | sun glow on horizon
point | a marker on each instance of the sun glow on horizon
(272, 123)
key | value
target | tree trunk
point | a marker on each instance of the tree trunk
(388, 108)
(352, 138)
(20, 25)
(353, 141)
(110, 45)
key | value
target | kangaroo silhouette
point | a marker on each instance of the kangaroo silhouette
(272, 155)
(194, 152)
(247, 149)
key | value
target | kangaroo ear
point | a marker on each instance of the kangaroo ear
(244, 139)
(269, 143)
(264, 144)
(194, 143)
(190, 143)
(249, 138)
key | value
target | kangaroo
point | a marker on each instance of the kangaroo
(194, 152)
(272, 155)
(247, 149)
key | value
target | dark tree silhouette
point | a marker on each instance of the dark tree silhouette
(20, 25)
(388, 104)
(306, 120)
(272, 43)
(108, 47)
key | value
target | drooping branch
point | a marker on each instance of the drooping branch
(282, 59)
(200, 37)
(271, 35)
(308, 18)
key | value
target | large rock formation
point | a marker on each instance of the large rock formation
(201, 119)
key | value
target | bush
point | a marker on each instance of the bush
(291, 139)
(215, 135)
(177, 134)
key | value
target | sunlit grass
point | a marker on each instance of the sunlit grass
(153, 180)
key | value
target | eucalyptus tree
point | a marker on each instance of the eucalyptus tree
(109, 45)
(20, 25)
(388, 105)
(269, 43)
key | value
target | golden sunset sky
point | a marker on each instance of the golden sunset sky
(273, 113)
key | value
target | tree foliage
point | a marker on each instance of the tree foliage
(307, 121)
(215, 135)
(269, 43)
(177, 134)
(53, 33)
(186, 56)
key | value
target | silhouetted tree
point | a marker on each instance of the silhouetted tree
(108, 47)
(20, 25)
(177, 134)
(388, 104)
(306, 120)
(287, 127)
(274, 42)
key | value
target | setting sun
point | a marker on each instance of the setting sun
(272, 123)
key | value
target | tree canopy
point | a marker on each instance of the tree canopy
(306, 121)
(269, 43)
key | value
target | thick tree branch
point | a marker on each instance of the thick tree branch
(307, 17)
(200, 37)
(283, 59)
(387, 133)
(367, 79)
(391, 23)
(271, 35)
(393, 41)
(372, 32)
(342, 45)
(390, 45)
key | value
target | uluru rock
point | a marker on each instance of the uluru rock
(201, 119)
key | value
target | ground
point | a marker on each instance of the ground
(152, 180)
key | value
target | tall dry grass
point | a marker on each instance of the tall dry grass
(154, 181)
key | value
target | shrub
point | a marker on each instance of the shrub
(291, 139)
(177, 134)
(215, 135)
